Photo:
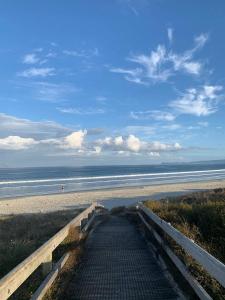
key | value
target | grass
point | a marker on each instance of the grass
(22, 234)
(201, 217)
(59, 290)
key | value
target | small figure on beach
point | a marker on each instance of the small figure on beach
(62, 188)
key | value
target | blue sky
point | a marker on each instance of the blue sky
(111, 82)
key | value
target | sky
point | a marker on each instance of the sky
(111, 82)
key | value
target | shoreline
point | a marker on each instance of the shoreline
(107, 197)
(139, 186)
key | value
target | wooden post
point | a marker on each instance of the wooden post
(211, 264)
(90, 215)
(47, 265)
(83, 222)
(10, 282)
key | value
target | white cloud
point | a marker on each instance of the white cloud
(40, 49)
(203, 124)
(157, 115)
(107, 141)
(51, 54)
(198, 102)
(154, 154)
(161, 64)
(133, 143)
(132, 75)
(119, 141)
(53, 92)
(38, 56)
(152, 66)
(49, 138)
(170, 34)
(140, 130)
(192, 67)
(201, 39)
(97, 149)
(53, 44)
(132, 5)
(183, 62)
(30, 58)
(101, 99)
(43, 61)
(72, 53)
(158, 146)
(82, 53)
(42, 141)
(74, 140)
(46, 91)
(171, 126)
(16, 143)
(37, 72)
(76, 111)
(11, 125)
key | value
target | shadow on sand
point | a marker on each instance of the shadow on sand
(110, 202)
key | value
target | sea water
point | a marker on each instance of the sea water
(49, 180)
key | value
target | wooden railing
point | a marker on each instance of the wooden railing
(212, 265)
(42, 256)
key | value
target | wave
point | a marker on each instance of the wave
(106, 177)
(206, 174)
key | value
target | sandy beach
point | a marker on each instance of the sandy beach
(108, 197)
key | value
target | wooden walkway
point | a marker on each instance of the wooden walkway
(118, 265)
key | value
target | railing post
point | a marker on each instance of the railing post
(211, 264)
(41, 257)
(47, 265)
(83, 222)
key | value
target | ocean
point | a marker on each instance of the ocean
(50, 180)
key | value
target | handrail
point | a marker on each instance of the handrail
(198, 289)
(49, 280)
(212, 265)
(10, 282)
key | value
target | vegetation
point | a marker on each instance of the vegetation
(59, 290)
(201, 217)
(22, 234)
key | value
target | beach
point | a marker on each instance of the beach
(107, 197)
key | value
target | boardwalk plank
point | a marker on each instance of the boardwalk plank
(118, 265)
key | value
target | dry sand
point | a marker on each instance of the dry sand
(108, 197)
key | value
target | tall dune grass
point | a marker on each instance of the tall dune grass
(201, 217)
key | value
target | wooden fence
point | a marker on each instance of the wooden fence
(212, 265)
(42, 256)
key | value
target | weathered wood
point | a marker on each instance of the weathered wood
(198, 289)
(47, 283)
(20, 273)
(89, 223)
(212, 265)
(83, 222)
(117, 264)
(47, 265)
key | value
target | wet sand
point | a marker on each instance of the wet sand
(108, 197)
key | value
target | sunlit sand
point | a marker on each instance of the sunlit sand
(108, 197)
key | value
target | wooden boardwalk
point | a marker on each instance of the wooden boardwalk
(118, 265)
